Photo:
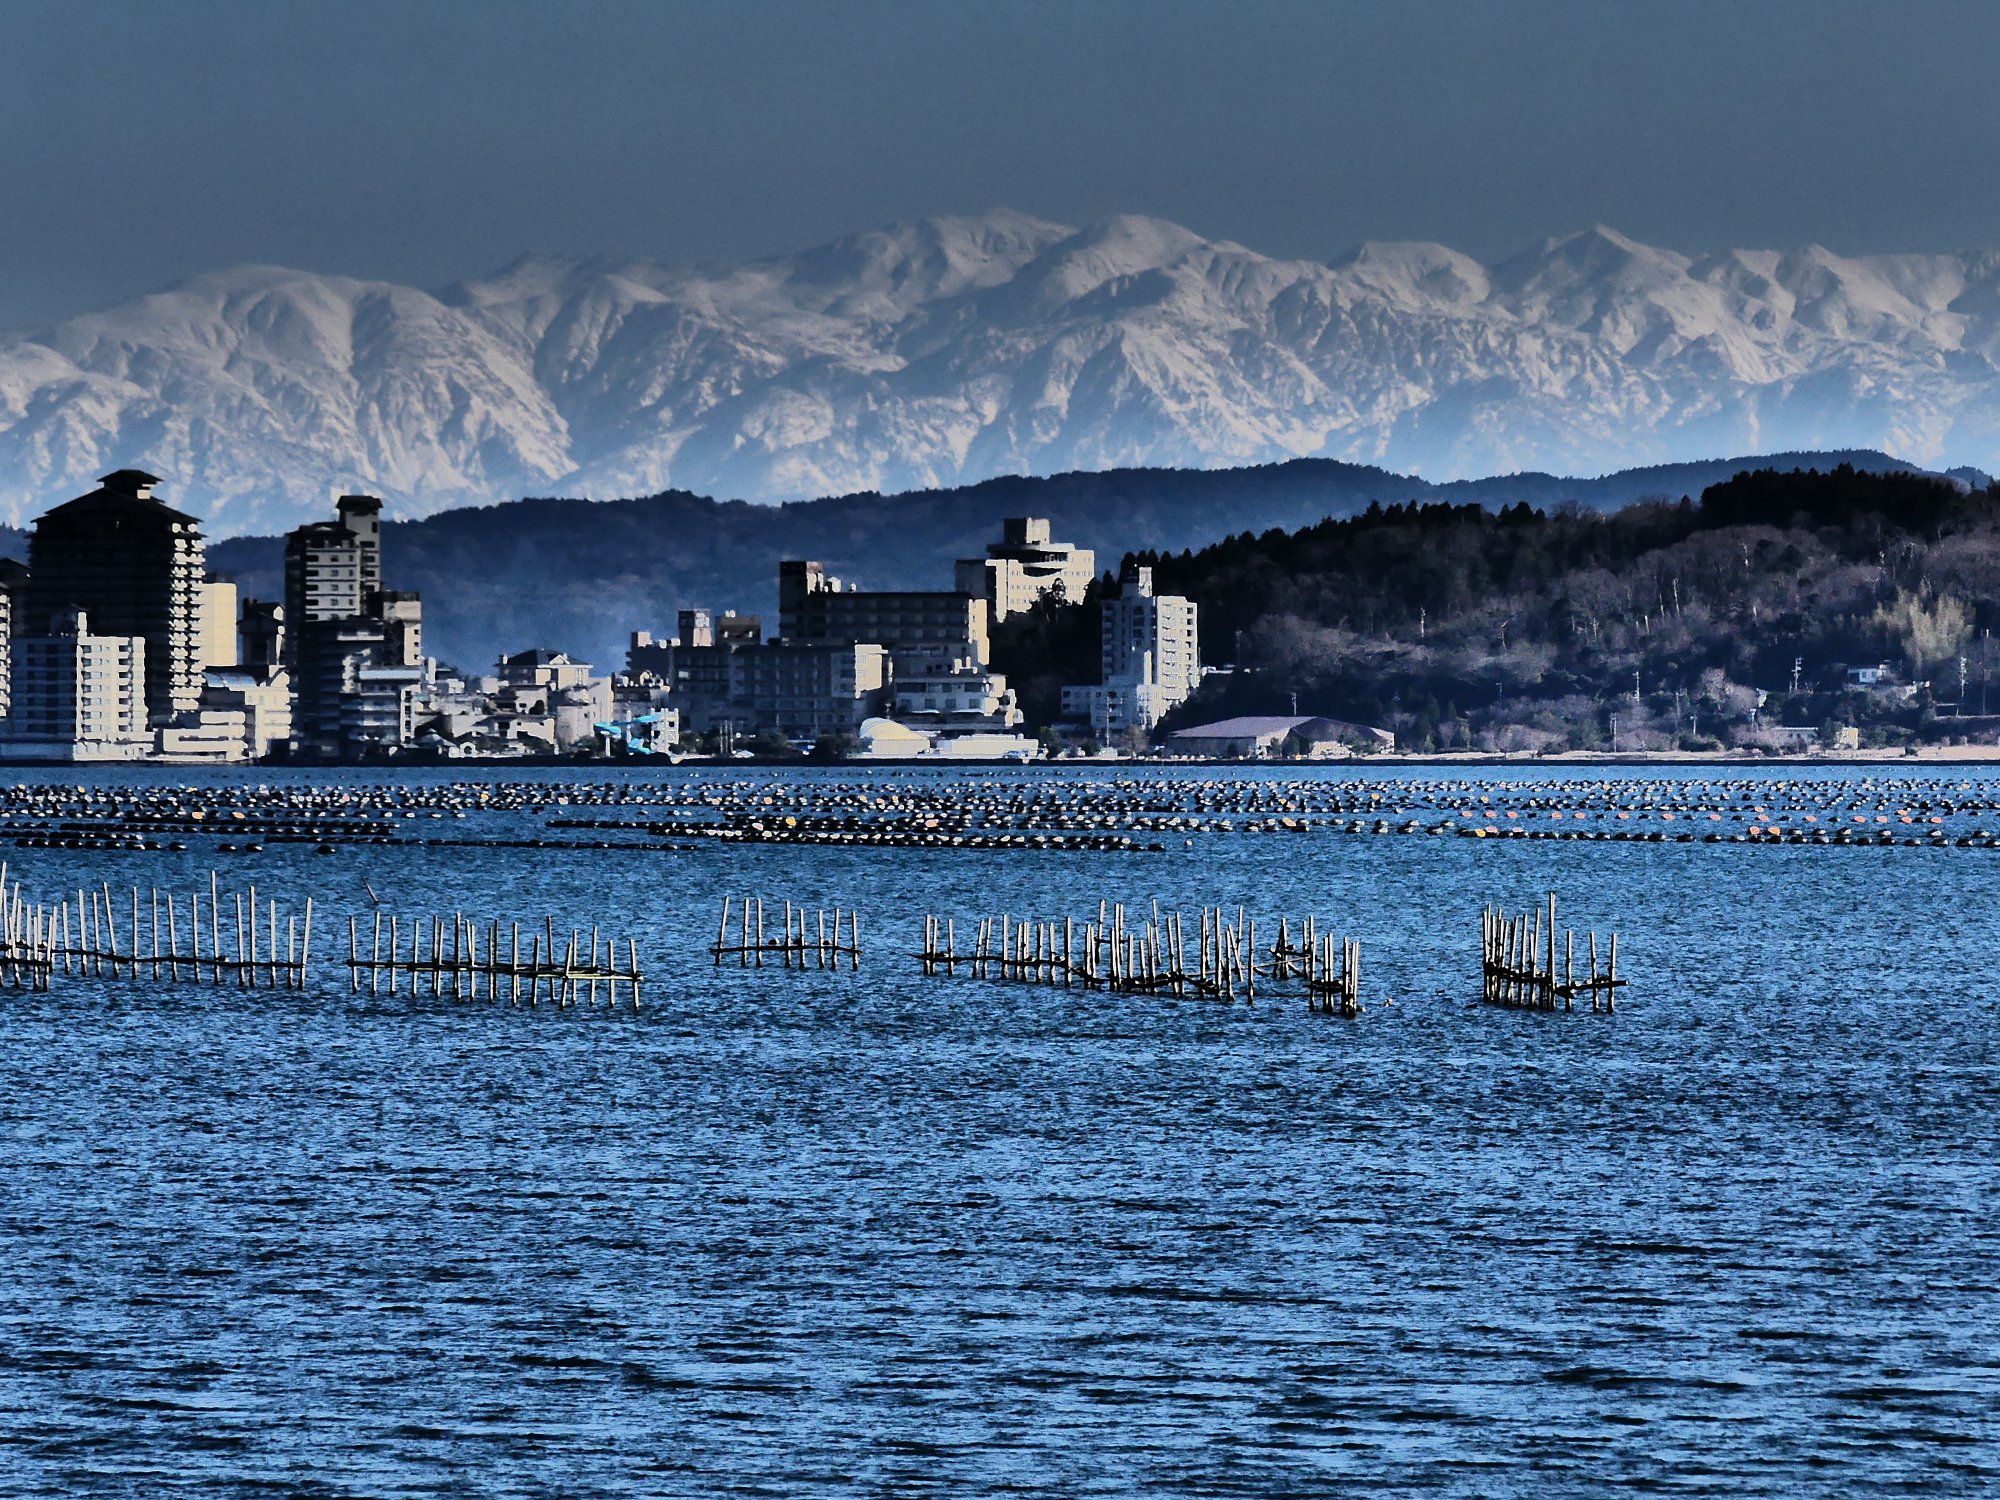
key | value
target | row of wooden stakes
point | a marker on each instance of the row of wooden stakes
(458, 957)
(254, 949)
(1520, 969)
(241, 940)
(1153, 956)
(27, 939)
(1525, 963)
(803, 944)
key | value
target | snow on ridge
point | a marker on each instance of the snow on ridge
(948, 350)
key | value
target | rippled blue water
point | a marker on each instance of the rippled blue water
(866, 1234)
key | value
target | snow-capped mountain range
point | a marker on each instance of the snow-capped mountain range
(953, 349)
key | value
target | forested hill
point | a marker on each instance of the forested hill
(1526, 629)
(580, 575)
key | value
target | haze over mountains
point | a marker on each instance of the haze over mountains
(950, 350)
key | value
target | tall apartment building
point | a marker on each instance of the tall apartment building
(1023, 566)
(331, 567)
(814, 607)
(13, 598)
(78, 695)
(354, 648)
(1150, 658)
(133, 566)
(328, 657)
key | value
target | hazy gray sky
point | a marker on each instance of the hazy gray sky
(428, 139)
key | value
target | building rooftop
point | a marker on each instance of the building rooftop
(1251, 726)
(121, 492)
(540, 656)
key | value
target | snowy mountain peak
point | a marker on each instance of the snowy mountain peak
(1417, 276)
(950, 349)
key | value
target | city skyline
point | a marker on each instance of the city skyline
(118, 644)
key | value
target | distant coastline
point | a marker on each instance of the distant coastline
(1929, 755)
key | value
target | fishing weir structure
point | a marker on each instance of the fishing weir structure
(1519, 966)
(805, 941)
(27, 940)
(1153, 957)
(249, 946)
(470, 960)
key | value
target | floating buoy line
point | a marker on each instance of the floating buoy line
(1056, 811)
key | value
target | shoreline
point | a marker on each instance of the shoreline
(1936, 755)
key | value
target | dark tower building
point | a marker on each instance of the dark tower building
(134, 565)
(345, 636)
(331, 567)
(261, 631)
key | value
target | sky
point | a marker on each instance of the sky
(423, 142)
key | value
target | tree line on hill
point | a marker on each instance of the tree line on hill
(580, 575)
(1767, 604)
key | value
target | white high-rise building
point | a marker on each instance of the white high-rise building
(331, 567)
(215, 623)
(1150, 661)
(78, 696)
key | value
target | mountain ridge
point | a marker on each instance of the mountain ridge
(945, 351)
(579, 575)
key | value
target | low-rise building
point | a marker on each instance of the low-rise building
(255, 703)
(544, 668)
(949, 692)
(643, 720)
(578, 710)
(1108, 707)
(804, 691)
(1259, 737)
(887, 739)
(814, 607)
(379, 710)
